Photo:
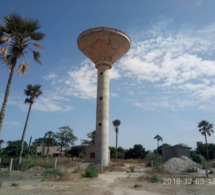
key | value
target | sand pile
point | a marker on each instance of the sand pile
(178, 165)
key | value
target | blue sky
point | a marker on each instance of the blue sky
(164, 85)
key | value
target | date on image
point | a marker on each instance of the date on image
(188, 181)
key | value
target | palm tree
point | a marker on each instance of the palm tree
(116, 124)
(158, 138)
(17, 35)
(49, 139)
(206, 129)
(31, 92)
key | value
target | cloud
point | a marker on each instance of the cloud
(174, 67)
(49, 104)
(12, 123)
(176, 62)
(81, 81)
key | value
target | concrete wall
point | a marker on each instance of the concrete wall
(175, 151)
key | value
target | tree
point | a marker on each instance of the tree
(13, 148)
(49, 140)
(138, 151)
(17, 35)
(116, 124)
(158, 138)
(205, 128)
(92, 137)
(65, 137)
(159, 149)
(32, 92)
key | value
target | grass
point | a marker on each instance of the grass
(52, 172)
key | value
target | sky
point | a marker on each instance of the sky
(164, 85)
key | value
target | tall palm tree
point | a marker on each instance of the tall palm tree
(116, 124)
(206, 129)
(17, 36)
(32, 92)
(158, 138)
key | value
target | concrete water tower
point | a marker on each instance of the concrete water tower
(103, 46)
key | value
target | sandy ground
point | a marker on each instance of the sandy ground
(108, 183)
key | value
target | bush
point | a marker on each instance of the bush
(196, 157)
(154, 179)
(192, 170)
(52, 172)
(91, 171)
(155, 157)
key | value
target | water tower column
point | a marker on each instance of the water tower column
(102, 115)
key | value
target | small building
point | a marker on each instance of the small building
(44, 150)
(91, 154)
(175, 151)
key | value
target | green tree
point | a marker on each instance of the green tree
(50, 140)
(159, 149)
(65, 137)
(116, 124)
(92, 137)
(17, 36)
(205, 128)
(158, 138)
(13, 148)
(32, 92)
(138, 151)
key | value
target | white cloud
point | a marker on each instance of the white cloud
(48, 104)
(81, 82)
(50, 76)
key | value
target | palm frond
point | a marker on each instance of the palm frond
(23, 68)
(36, 56)
(37, 45)
(37, 36)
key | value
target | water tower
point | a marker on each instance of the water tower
(103, 46)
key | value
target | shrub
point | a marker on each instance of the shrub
(136, 185)
(91, 171)
(154, 179)
(52, 172)
(155, 157)
(192, 170)
(14, 184)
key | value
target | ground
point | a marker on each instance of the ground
(119, 179)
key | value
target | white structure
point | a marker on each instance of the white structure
(103, 46)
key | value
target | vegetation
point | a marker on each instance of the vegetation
(14, 184)
(17, 35)
(32, 92)
(116, 124)
(65, 137)
(154, 179)
(137, 152)
(91, 171)
(153, 159)
(206, 129)
(92, 137)
(52, 172)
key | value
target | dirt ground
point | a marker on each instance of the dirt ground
(127, 179)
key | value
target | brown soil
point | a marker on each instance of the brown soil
(124, 179)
